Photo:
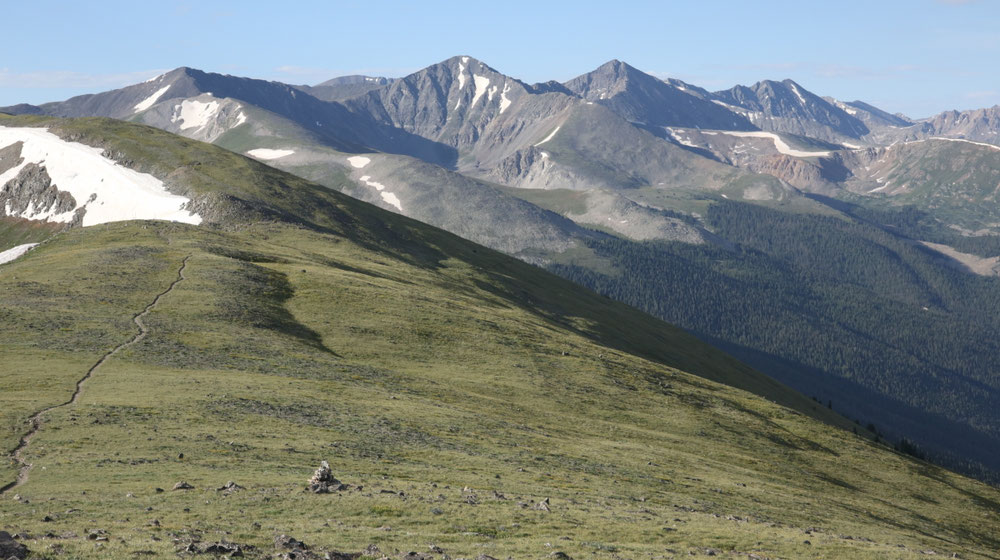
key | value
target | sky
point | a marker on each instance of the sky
(917, 57)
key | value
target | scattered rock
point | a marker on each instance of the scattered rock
(9, 548)
(560, 555)
(231, 550)
(229, 487)
(322, 481)
(183, 486)
(158, 490)
(435, 549)
(485, 557)
(97, 535)
(543, 505)
(285, 542)
(415, 556)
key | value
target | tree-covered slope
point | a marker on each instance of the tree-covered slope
(882, 326)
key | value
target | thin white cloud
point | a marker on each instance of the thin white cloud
(72, 79)
(310, 75)
(986, 94)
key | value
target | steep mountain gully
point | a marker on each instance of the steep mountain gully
(36, 420)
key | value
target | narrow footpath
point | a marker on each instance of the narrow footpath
(36, 420)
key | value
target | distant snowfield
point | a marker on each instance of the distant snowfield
(268, 153)
(109, 191)
(387, 196)
(11, 254)
(194, 114)
(482, 83)
(984, 144)
(358, 162)
(504, 102)
(149, 101)
(779, 144)
(550, 136)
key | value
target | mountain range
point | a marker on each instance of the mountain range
(843, 251)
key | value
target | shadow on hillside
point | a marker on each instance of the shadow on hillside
(952, 444)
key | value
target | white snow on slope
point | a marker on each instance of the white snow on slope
(461, 76)
(550, 136)
(267, 153)
(504, 102)
(11, 254)
(358, 162)
(387, 196)
(851, 146)
(779, 144)
(482, 83)
(148, 102)
(798, 94)
(109, 192)
(241, 118)
(194, 114)
(392, 199)
(683, 140)
(984, 144)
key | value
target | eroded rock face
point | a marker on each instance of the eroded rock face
(10, 157)
(32, 193)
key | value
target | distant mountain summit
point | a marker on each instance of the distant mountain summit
(788, 107)
(345, 87)
(647, 100)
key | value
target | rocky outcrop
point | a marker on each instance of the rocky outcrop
(10, 548)
(32, 193)
(819, 176)
(10, 157)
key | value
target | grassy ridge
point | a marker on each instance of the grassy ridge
(285, 346)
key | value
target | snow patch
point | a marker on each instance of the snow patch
(110, 192)
(550, 136)
(387, 196)
(851, 146)
(267, 153)
(392, 199)
(482, 83)
(194, 114)
(504, 102)
(148, 102)
(241, 118)
(984, 144)
(684, 141)
(465, 59)
(461, 76)
(358, 162)
(11, 254)
(779, 144)
(798, 94)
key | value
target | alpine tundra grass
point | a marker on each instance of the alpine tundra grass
(456, 392)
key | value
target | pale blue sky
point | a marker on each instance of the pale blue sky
(918, 57)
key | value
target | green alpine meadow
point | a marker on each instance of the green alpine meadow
(175, 389)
